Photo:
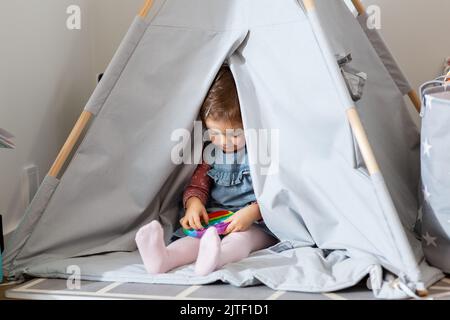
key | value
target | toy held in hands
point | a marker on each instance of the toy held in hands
(216, 220)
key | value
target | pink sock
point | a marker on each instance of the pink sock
(159, 259)
(208, 253)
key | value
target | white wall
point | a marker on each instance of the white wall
(47, 72)
(417, 32)
(45, 79)
(112, 20)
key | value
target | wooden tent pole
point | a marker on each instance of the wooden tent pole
(363, 141)
(146, 8)
(70, 143)
(359, 7)
(412, 94)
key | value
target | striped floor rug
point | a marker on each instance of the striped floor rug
(59, 289)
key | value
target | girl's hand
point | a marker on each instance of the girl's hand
(243, 219)
(195, 210)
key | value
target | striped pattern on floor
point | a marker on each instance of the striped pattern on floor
(58, 289)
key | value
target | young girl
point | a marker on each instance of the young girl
(223, 183)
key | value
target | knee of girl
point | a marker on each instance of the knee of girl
(237, 236)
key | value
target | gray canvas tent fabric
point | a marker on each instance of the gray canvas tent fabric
(385, 55)
(336, 223)
(435, 222)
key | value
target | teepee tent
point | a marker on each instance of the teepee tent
(343, 201)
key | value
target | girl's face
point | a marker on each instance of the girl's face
(227, 136)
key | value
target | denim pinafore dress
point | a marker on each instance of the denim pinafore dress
(232, 187)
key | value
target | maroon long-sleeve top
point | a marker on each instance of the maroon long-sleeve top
(200, 184)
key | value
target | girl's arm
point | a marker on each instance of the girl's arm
(254, 212)
(260, 218)
(244, 218)
(199, 185)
